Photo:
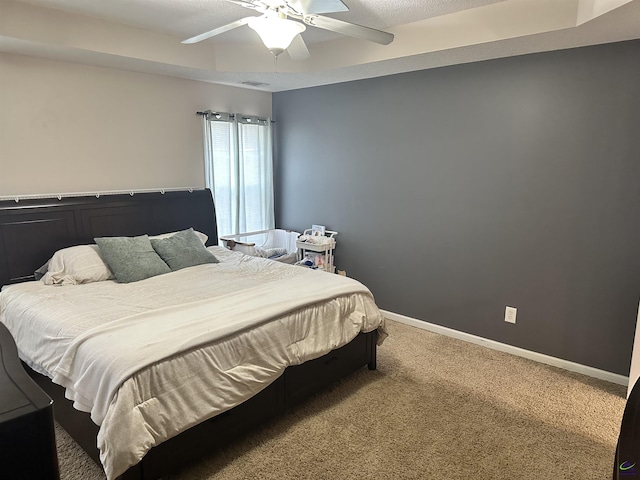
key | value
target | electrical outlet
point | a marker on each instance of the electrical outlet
(510, 314)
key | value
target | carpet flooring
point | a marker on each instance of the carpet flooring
(437, 408)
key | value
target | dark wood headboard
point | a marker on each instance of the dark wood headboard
(32, 230)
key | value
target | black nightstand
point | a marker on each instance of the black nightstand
(27, 435)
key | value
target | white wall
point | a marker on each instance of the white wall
(67, 127)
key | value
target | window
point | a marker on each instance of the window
(239, 171)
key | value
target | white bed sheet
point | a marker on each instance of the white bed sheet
(149, 407)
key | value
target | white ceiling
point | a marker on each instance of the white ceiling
(145, 35)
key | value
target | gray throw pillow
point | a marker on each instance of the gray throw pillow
(183, 249)
(131, 258)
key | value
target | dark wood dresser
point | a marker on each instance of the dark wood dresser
(27, 435)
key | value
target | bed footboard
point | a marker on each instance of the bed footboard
(294, 386)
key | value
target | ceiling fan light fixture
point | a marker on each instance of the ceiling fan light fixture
(276, 32)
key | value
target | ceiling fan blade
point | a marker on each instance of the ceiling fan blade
(217, 31)
(318, 6)
(350, 29)
(298, 50)
(252, 4)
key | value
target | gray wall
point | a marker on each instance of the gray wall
(460, 190)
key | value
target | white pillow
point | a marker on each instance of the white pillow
(76, 265)
(203, 237)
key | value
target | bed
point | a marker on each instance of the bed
(244, 338)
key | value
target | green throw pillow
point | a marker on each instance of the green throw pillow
(131, 258)
(183, 249)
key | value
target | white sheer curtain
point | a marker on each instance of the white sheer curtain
(239, 171)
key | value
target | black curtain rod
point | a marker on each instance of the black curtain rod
(207, 112)
(232, 115)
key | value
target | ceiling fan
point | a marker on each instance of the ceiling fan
(282, 22)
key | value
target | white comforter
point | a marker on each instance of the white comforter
(150, 359)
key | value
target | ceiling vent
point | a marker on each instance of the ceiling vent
(251, 83)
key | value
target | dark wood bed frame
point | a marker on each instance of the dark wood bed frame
(32, 230)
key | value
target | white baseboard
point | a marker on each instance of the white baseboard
(503, 347)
